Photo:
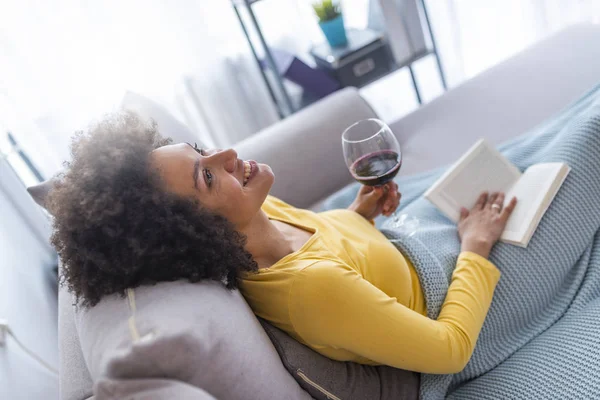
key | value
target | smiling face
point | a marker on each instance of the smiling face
(222, 183)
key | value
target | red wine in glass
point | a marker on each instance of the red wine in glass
(376, 168)
(373, 156)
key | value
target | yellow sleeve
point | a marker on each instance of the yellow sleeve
(332, 305)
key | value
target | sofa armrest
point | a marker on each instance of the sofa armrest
(305, 150)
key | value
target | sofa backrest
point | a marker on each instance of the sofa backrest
(305, 150)
(503, 102)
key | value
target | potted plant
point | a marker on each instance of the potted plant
(331, 22)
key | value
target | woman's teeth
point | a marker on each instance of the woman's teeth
(247, 171)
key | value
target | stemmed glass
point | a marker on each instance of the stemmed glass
(373, 156)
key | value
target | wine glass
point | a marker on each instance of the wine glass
(373, 156)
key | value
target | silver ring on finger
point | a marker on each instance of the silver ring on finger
(496, 207)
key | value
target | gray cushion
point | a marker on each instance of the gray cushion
(199, 334)
(326, 379)
(168, 126)
(40, 191)
(155, 389)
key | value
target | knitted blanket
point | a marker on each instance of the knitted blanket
(541, 338)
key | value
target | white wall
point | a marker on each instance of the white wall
(27, 299)
(472, 36)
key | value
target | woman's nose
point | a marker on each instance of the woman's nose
(228, 157)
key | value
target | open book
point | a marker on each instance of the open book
(483, 168)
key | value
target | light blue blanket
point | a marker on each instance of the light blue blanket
(541, 338)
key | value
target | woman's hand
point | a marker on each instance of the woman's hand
(374, 200)
(480, 228)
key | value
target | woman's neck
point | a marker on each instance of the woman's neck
(265, 241)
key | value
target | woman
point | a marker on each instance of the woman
(132, 209)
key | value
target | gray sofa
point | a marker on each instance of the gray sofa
(203, 342)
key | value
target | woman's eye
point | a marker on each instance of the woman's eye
(208, 177)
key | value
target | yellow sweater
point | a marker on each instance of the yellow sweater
(350, 295)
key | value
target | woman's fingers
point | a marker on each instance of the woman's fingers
(392, 198)
(397, 196)
(483, 197)
(364, 189)
(500, 199)
(499, 202)
(394, 203)
(464, 213)
(509, 209)
(492, 199)
(390, 203)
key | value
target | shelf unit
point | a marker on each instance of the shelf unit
(284, 101)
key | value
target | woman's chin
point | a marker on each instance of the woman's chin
(270, 171)
(271, 176)
(262, 180)
(266, 173)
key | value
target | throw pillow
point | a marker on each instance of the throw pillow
(198, 334)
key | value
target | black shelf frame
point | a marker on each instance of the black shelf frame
(280, 95)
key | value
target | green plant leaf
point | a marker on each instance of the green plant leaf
(327, 10)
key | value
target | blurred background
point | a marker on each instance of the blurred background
(64, 63)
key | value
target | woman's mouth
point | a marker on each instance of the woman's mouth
(250, 169)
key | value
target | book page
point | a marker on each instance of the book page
(531, 190)
(482, 169)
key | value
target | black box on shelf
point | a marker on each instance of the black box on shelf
(364, 59)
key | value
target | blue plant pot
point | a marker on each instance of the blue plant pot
(334, 32)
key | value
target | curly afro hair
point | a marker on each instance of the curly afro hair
(116, 227)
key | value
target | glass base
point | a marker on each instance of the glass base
(403, 224)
